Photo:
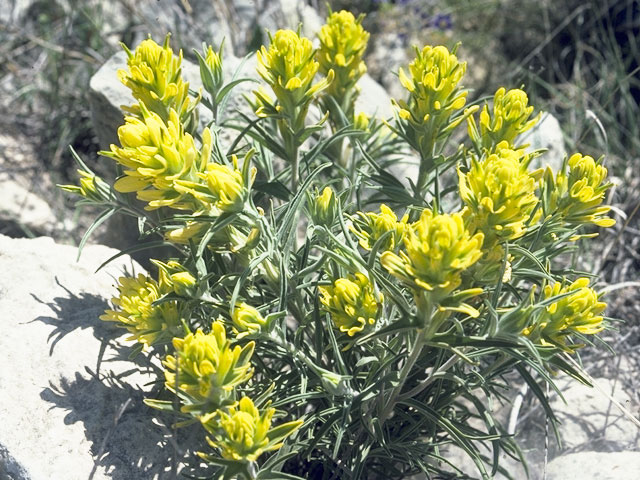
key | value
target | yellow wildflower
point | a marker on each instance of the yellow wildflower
(147, 323)
(211, 70)
(343, 42)
(289, 69)
(352, 303)
(175, 276)
(361, 121)
(91, 187)
(577, 196)
(157, 155)
(155, 79)
(510, 118)
(224, 187)
(323, 207)
(500, 193)
(437, 248)
(434, 95)
(371, 226)
(247, 320)
(207, 368)
(579, 311)
(245, 433)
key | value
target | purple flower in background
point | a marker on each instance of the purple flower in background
(442, 21)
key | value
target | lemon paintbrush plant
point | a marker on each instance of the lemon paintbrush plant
(316, 318)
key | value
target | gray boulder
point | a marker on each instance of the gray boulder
(70, 400)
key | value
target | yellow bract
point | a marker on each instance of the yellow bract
(155, 79)
(343, 42)
(146, 323)
(245, 433)
(434, 96)
(289, 69)
(157, 155)
(175, 276)
(433, 85)
(374, 225)
(437, 248)
(247, 320)
(323, 208)
(509, 118)
(577, 312)
(361, 121)
(577, 196)
(220, 187)
(91, 187)
(352, 303)
(207, 368)
(500, 194)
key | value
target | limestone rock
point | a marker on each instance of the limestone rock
(596, 466)
(546, 134)
(386, 54)
(373, 98)
(70, 400)
(590, 421)
(23, 187)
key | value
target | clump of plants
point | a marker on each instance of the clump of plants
(320, 317)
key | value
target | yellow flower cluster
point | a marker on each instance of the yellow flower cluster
(247, 320)
(437, 248)
(175, 276)
(500, 193)
(207, 368)
(147, 323)
(372, 226)
(245, 433)
(577, 196)
(509, 118)
(323, 208)
(343, 42)
(155, 80)
(211, 70)
(578, 311)
(434, 94)
(221, 187)
(289, 68)
(352, 303)
(157, 156)
(91, 187)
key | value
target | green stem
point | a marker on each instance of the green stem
(295, 166)
(426, 165)
(430, 379)
(416, 349)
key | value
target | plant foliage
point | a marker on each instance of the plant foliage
(321, 317)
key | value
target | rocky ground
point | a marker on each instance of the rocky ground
(70, 405)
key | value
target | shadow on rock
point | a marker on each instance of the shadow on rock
(80, 311)
(76, 312)
(129, 440)
(125, 441)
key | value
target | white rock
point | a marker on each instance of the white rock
(596, 466)
(70, 401)
(590, 421)
(373, 98)
(23, 186)
(546, 134)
